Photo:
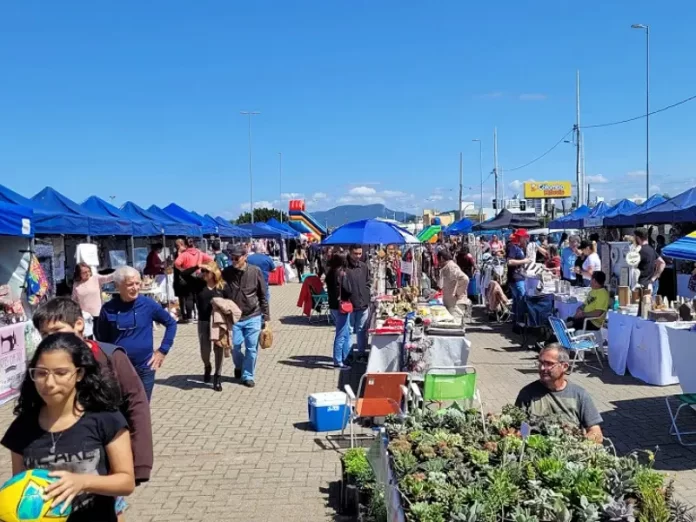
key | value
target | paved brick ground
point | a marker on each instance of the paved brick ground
(247, 455)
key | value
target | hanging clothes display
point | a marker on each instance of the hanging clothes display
(37, 283)
(45, 255)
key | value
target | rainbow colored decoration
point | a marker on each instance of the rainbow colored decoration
(303, 222)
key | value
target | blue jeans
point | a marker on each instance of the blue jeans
(147, 376)
(246, 332)
(517, 289)
(359, 323)
(341, 345)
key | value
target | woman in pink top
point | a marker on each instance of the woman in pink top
(495, 245)
(87, 290)
(191, 256)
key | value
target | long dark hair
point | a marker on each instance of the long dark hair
(96, 391)
(337, 262)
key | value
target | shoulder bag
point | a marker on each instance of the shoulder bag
(344, 307)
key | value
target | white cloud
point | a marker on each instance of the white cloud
(360, 200)
(319, 195)
(654, 188)
(636, 174)
(286, 196)
(260, 204)
(436, 197)
(596, 178)
(362, 190)
(533, 96)
(393, 194)
(516, 184)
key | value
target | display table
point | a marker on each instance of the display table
(642, 347)
(277, 277)
(566, 310)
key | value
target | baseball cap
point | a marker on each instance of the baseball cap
(521, 232)
(238, 250)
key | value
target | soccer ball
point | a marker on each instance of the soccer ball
(21, 499)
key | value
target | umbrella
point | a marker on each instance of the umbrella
(507, 219)
(370, 232)
(684, 248)
(463, 226)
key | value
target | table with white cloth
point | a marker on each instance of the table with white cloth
(446, 350)
(642, 347)
(566, 310)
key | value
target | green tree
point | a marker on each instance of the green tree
(261, 215)
(666, 196)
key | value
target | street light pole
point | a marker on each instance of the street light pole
(647, 105)
(249, 114)
(280, 183)
(480, 176)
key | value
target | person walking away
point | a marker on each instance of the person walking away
(63, 315)
(67, 422)
(595, 306)
(221, 258)
(359, 282)
(207, 287)
(659, 244)
(126, 321)
(651, 265)
(154, 264)
(455, 284)
(568, 256)
(553, 262)
(249, 294)
(189, 257)
(299, 259)
(337, 288)
(591, 262)
(87, 291)
(516, 261)
(466, 261)
(265, 263)
(555, 397)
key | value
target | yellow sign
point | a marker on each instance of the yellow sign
(546, 189)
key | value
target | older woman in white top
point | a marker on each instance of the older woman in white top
(87, 290)
(454, 283)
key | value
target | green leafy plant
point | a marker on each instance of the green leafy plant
(357, 466)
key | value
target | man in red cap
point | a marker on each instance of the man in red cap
(516, 261)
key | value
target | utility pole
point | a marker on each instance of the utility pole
(646, 28)
(461, 183)
(481, 178)
(502, 186)
(495, 167)
(579, 181)
(280, 183)
(249, 114)
(588, 194)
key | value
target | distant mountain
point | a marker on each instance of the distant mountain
(343, 214)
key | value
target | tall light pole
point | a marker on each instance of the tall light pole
(280, 183)
(249, 114)
(646, 28)
(481, 176)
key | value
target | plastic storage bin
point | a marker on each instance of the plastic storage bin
(328, 411)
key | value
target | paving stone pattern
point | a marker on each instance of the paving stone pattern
(247, 454)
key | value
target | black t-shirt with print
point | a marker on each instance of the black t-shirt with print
(79, 449)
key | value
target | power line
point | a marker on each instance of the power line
(543, 155)
(663, 109)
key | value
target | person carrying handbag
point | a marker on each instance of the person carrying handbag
(338, 290)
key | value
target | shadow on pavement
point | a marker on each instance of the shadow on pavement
(303, 320)
(309, 361)
(643, 424)
(184, 382)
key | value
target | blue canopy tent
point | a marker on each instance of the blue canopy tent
(50, 198)
(681, 208)
(620, 209)
(185, 216)
(463, 226)
(231, 230)
(183, 228)
(572, 220)
(168, 227)
(209, 223)
(48, 221)
(15, 220)
(141, 226)
(629, 218)
(262, 230)
(684, 248)
(273, 222)
(370, 232)
(595, 218)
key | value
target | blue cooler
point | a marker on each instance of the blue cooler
(328, 411)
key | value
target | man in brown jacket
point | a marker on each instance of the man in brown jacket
(62, 314)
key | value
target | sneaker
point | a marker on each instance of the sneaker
(249, 383)
(237, 373)
(342, 367)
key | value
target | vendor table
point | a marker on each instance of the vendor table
(277, 277)
(642, 347)
(385, 353)
(566, 310)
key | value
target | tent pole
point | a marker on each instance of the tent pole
(132, 245)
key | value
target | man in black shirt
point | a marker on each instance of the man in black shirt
(651, 265)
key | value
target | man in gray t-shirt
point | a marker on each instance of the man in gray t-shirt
(553, 395)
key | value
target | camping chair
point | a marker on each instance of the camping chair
(320, 306)
(305, 276)
(379, 395)
(575, 343)
(450, 383)
(599, 334)
(685, 399)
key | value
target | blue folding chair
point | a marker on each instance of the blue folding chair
(575, 343)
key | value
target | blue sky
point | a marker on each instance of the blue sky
(367, 101)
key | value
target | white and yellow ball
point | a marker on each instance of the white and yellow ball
(21, 499)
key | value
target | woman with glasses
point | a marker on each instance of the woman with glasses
(67, 422)
(207, 287)
(126, 321)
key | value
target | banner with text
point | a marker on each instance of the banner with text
(547, 189)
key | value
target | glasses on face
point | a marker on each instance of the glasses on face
(59, 374)
(543, 365)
